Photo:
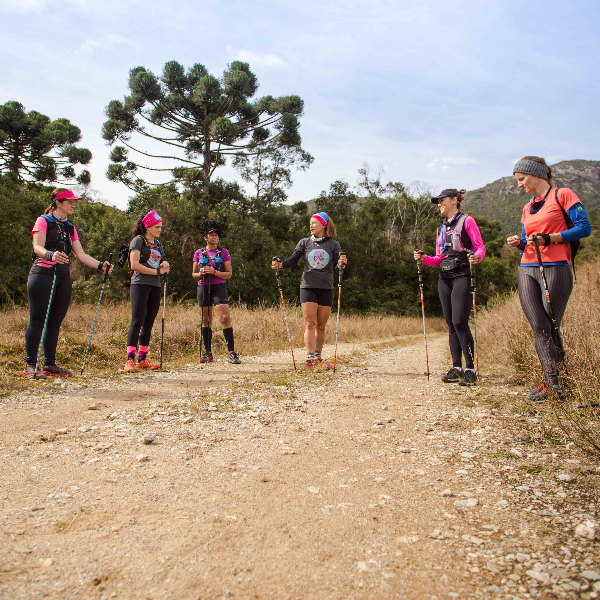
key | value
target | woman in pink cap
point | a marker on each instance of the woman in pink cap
(54, 237)
(321, 252)
(146, 257)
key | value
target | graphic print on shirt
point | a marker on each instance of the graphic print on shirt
(318, 258)
(154, 258)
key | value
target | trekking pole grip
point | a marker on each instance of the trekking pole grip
(108, 268)
(277, 273)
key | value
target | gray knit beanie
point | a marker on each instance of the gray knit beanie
(531, 167)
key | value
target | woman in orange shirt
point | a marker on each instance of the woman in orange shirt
(545, 215)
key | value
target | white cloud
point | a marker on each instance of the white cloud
(106, 43)
(262, 60)
(444, 164)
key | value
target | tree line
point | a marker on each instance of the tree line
(378, 225)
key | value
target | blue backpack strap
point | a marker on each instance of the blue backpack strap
(219, 259)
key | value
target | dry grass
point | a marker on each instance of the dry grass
(506, 340)
(257, 331)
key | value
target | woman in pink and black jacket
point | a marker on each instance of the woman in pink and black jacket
(458, 245)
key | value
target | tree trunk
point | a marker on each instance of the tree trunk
(206, 170)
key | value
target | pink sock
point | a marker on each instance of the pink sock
(130, 351)
(143, 350)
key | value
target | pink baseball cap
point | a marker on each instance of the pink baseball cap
(67, 195)
(151, 219)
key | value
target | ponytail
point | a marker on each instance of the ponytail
(460, 197)
(53, 195)
(330, 231)
(139, 228)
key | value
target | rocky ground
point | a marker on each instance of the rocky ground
(255, 481)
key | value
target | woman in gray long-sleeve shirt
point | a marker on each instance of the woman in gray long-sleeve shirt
(321, 252)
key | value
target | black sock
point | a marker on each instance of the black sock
(206, 338)
(228, 335)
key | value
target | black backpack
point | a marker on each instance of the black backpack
(575, 244)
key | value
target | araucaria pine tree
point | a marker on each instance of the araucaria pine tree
(199, 118)
(37, 149)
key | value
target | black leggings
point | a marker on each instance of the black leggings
(456, 299)
(39, 286)
(145, 302)
(535, 306)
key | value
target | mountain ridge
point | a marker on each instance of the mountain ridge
(502, 200)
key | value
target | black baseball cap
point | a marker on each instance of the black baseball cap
(444, 194)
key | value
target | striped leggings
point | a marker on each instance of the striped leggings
(535, 306)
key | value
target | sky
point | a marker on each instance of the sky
(447, 92)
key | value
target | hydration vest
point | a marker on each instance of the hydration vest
(58, 236)
(451, 241)
(219, 266)
(145, 252)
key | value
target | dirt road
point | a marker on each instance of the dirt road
(259, 482)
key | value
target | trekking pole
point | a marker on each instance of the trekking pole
(39, 353)
(203, 262)
(337, 323)
(162, 331)
(547, 292)
(420, 269)
(284, 311)
(202, 313)
(97, 309)
(473, 287)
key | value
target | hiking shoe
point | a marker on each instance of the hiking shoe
(234, 359)
(56, 371)
(453, 375)
(146, 364)
(129, 366)
(539, 394)
(468, 378)
(322, 363)
(310, 365)
(31, 373)
(556, 393)
(207, 358)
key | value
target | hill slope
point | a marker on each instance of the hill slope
(502, 200)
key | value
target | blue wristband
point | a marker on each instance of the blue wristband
(48, 255)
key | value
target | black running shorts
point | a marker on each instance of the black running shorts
(218, 295)
(322, 297)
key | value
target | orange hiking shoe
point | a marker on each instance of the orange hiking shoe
(129, 366)
(310, 365)
(322, 363)
(146, 364)
(56, 371)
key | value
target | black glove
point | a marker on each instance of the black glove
(544, 237)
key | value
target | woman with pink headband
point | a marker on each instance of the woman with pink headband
(146, 257)
(320, 252)
(54, 237)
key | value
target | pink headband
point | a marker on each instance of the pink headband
(151, 219)
(319, 218)
(67, 195)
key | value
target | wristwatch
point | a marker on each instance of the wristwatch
(100, 265)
